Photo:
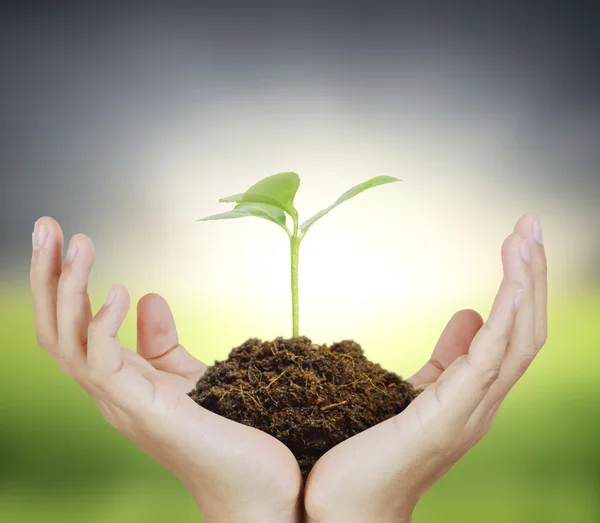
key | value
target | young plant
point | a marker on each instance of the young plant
(272, 198)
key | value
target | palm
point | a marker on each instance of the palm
(218, 450)
(164, 391)
(360, 460)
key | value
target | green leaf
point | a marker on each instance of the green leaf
(260, 210)
(278, 190)
(350, 193)
(236, 198)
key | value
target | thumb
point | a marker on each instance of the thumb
(158, 341)
(454, 342)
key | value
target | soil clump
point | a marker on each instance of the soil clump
(310, 397)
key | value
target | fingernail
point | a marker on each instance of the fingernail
(110, 297)
(72, 252)
(537, 231)
(39, 236)
(518, 297)
(524, 248)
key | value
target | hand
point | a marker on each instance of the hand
(234, 472)
(380, 474)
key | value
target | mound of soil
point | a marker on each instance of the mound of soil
(311, 397)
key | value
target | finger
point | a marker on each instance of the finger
(46, 267)
(522, 347)
(74, 310)
(454, 342)
(470, 377)
(104, 354)
(529, 226)
(539, 268)
(158, 341)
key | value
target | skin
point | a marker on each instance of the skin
(380, 474)
(237, 473)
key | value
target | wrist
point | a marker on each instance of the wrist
(260, 512)
(258, 517)
(350, 514)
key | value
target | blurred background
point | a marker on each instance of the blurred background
(128, 122)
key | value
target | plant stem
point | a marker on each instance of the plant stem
(295, 248)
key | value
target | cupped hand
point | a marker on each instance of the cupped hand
(380, 474)
(234, 472)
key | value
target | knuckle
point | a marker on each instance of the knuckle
(69, 364)
(511, 243)
(37, 272)
(63, 354)
(44, 339)
(69, 284)
(524, 361)
(489, 375)
(542, 265)
(507, 243)
(460, 360)
(541, 338)
(481, 429)
(488, 329)
(500, 336)
(486, 372)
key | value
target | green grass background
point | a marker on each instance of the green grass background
(59, 460)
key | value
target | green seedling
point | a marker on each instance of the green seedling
(272, 198)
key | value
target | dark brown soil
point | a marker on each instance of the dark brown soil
(311, 397)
